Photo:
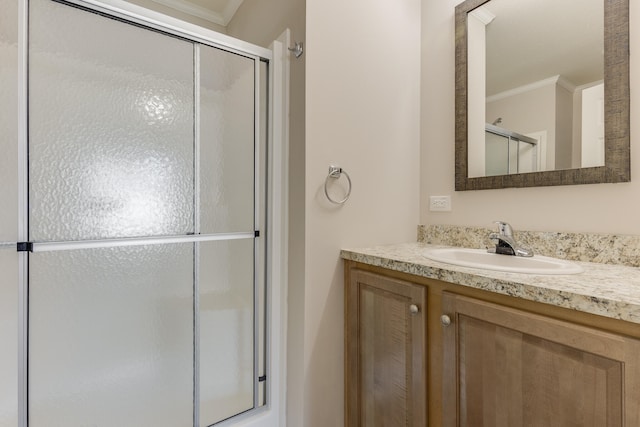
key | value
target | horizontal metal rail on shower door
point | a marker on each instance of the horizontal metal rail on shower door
(134, 241)
(509, 134)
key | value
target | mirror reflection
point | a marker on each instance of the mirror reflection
(535, 86)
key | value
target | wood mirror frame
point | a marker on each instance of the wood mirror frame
(616, 87)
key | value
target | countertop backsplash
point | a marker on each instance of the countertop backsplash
(600, 248)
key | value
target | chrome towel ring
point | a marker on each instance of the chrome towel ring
(334, 173)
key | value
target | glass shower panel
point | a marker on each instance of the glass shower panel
(513, 155)
(496, 154)
(111, 337)
(8, 338)
(226, 329)
(8, 121)
(527, 157)
(111, 127)
(8, 213)
(227, 134)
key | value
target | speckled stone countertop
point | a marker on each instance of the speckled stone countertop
(603, 289)
(600, 248)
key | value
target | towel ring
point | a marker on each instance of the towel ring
(335, 172)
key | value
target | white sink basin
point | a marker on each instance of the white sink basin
(480, 258)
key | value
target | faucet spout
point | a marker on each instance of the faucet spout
(506, 244)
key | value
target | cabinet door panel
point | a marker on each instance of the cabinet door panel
(386, 375)
(505, 367)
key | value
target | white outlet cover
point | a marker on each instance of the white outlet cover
(440, 203)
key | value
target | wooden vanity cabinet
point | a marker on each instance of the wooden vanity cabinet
(491, 361)
(385, 342)
(505, 367)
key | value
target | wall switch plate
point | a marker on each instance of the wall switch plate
(440, 203)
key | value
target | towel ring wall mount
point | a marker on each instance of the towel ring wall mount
(335, 172)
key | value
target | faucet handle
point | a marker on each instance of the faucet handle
(504, 228)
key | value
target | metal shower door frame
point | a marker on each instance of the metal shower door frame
(199, 36)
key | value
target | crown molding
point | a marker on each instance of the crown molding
(483, 15)
(230, 10)
(189, 8)
(555, 80)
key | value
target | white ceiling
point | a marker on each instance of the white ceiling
(533, 40)
(217, 11)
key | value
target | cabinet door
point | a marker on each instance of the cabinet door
(385, 345)
(505, 367)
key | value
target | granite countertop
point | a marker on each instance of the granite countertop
(603, 289)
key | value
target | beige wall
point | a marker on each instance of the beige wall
(564, 127)
(604, 208)
(261, 22)
(363, 101)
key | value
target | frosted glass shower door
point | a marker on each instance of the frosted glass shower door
(227, 147)
(111, 137)
(496, 154)
(111, 339)
(111, 156)
(145, 203)
(9, 312)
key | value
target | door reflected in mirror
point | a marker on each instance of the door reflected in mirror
(536, 79)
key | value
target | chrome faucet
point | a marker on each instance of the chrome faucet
(505, 242)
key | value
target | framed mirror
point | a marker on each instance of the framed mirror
(542, 93)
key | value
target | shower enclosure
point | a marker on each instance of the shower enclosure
(508, 152)
(133, 248)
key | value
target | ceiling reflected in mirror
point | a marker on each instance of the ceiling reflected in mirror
(529, 41)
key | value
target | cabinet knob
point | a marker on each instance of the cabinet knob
(414, 309)
(445, 320)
